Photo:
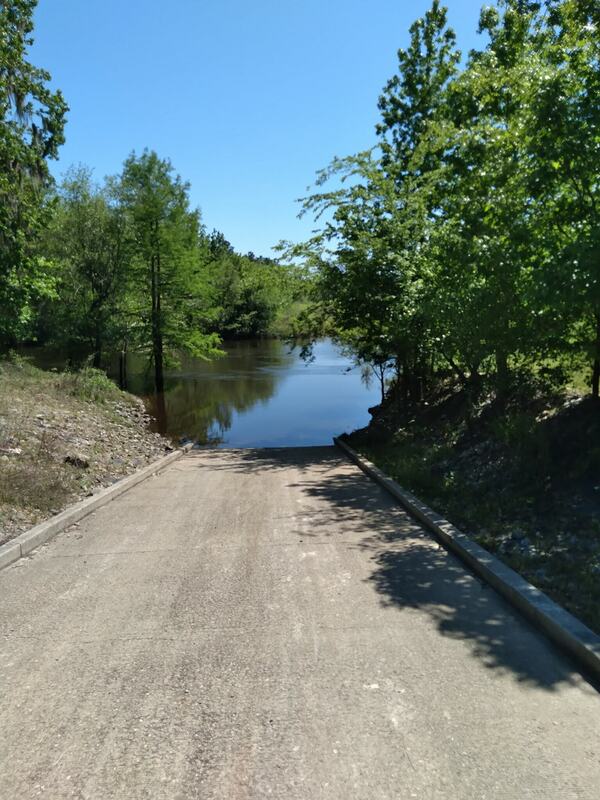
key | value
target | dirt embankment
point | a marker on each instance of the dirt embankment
(522, 479)
(64, 436)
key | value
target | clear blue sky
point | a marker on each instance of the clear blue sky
(248, 98)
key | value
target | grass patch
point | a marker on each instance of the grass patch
(89, 384)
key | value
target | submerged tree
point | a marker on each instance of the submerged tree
(167, 274)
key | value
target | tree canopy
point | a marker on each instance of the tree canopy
(32, 120)
(467, 237)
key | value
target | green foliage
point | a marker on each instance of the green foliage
(86, 383)
(468, 236)
(89, 244)
(89, 384)
(411, 99)
(253, 296)
(134, 270)
(32, 119)
(169, 292)
(372, 254)
(15, 363)
(126, 265)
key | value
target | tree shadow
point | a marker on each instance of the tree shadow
(409, 568)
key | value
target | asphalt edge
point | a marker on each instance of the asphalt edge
(565, 630)
(23, 544)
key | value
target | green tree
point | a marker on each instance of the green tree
(519, 229)
(563, 125)
(88, 239)
(481, 238)
(32, 119)
(168, 280)
(250, 294)
(471, 234)
(371, 253)
(412, 98)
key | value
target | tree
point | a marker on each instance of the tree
(32, 119)
(371, 254)
(471, 232)
(563, 125)
(412, 98)
(483, 245)
(167, 272)
(250, 293)
(88, 239)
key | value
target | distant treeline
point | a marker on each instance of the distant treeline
(468, 238)
(125, 264)
(133, 268)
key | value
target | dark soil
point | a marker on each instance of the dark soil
(523, 479)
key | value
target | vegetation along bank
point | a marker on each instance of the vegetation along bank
(103, 267)
(458, 257)
(64, 436)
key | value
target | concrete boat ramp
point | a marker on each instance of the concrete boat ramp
(271, 624)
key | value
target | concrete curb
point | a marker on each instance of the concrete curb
(563, 628)
(28, 541)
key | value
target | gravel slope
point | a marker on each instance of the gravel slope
(63, 437)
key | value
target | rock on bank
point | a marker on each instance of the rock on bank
(64, 436)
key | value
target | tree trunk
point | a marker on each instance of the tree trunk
(502, 374)
(157, 340)
(160, 413)
(123, 367)
(159, 378)
(97, 350)
(460, 372)
(475, 382)
(398, 381)
(405, 383)
(596, 368)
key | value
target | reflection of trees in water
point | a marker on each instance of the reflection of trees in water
(201, 397)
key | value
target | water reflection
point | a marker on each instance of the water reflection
(261, 394)
(202, 398)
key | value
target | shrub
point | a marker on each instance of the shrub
(89, 384)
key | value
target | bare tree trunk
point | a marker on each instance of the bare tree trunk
(123, 367)
(157, 340)
(502, 374)
(97, 348)
(596, 367)
(160, 412)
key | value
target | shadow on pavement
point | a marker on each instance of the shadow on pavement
(409, 568)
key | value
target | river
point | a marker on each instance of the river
(262, 393)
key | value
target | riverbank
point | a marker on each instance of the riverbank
(523, 481)
(64, 436)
